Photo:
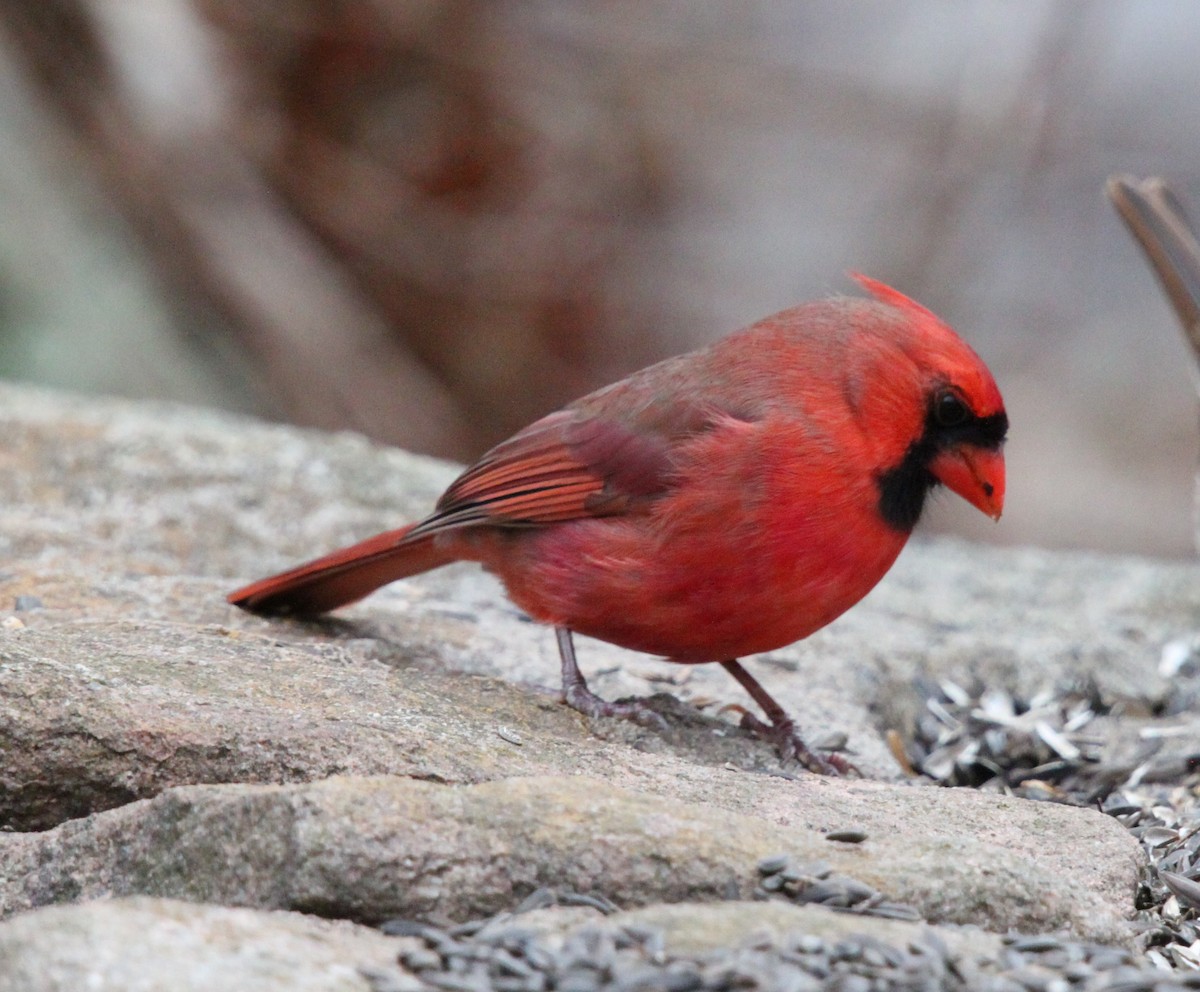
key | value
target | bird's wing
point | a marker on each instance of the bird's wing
(571, 464)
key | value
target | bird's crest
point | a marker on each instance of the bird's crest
(893, 297)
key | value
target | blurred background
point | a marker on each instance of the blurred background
(434, 220)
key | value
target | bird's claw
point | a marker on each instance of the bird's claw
(792, 747)
(635, 710)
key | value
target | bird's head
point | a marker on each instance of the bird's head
(947, 425)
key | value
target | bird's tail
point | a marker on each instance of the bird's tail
(342, 577)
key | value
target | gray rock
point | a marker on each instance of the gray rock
(133, 682)
(694, 929)
(156, 945)
(372, 848)
(146, 945)
(118, 490)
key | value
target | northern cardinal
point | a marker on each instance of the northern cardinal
(722, 503)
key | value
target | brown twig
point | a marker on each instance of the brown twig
(1157, 220)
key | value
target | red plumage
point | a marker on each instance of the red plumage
(725, 502)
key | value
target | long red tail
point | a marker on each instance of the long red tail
(343, 576)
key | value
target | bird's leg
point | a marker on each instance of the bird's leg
(578, 696)
(781, 731)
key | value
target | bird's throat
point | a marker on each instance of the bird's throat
(902, 490)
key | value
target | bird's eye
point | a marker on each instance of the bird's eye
(949, 410)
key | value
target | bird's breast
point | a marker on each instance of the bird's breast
(730, 565)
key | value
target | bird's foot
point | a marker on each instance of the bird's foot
(791, 746)
(580, 697)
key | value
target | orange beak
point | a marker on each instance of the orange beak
(976, 474)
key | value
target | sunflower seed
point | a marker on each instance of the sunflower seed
(775, 863)
(847, 836)
(509, 735)
(1184, 889)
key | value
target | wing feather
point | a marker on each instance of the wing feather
(569, 465)
(578, 462)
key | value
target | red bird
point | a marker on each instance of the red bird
(722, 503)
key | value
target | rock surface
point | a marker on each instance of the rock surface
(152, 945)
(368, 849)
(154, 741)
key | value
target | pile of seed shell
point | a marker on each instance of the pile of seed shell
(780, 877)
(504, 955)
(990, 739)
(1166, 820)
(1041, 748)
